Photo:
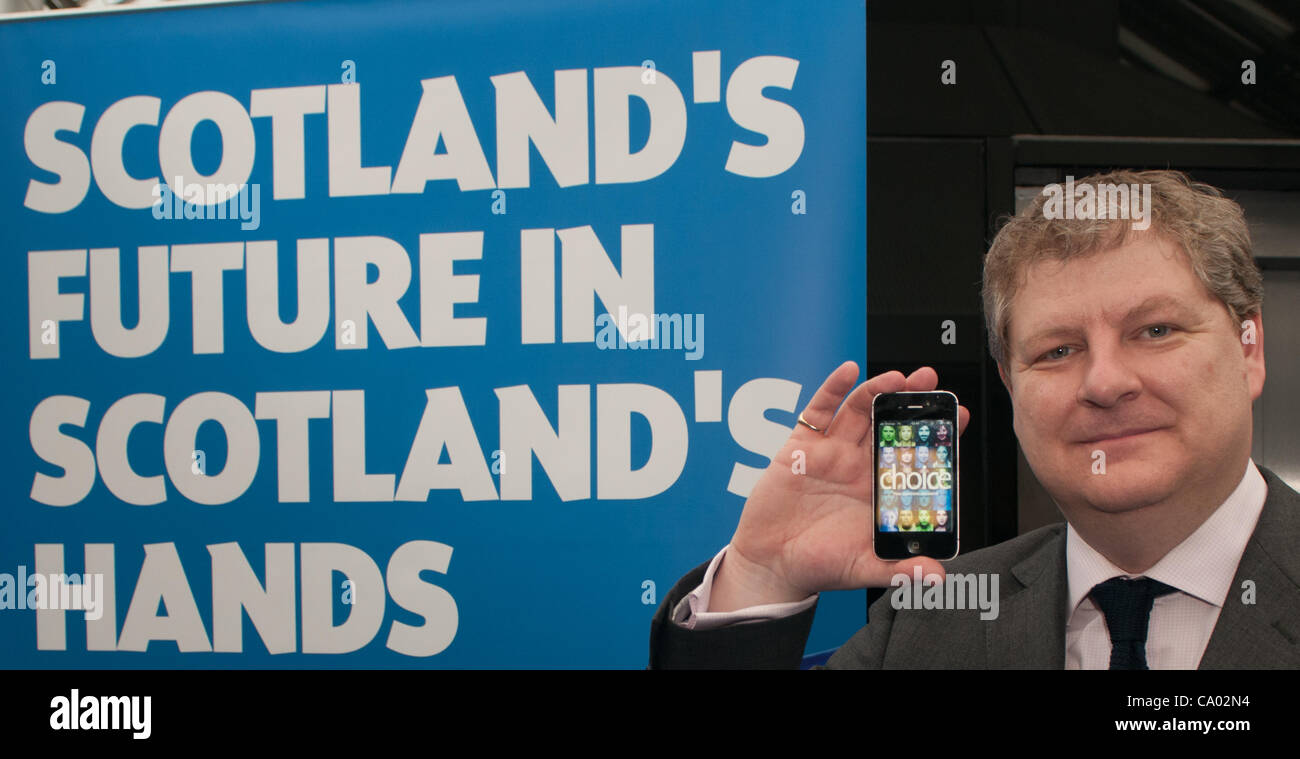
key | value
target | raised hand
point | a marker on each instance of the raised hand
(808, 526)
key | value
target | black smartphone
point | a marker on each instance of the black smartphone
(915, 461)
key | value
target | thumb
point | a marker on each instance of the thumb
(905, 571)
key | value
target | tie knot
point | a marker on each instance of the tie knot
(1127, 605)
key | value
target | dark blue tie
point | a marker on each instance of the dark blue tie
(1127, 606)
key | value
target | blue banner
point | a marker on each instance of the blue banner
(409, 334)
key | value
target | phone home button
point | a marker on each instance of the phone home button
(914, 546)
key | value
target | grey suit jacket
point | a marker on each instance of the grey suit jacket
(1029, 631)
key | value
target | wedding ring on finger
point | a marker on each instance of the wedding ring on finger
(808, 424)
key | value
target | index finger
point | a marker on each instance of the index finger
(853, 422)
(926, 379)
(860, 400)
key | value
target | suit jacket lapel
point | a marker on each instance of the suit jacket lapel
(1265, 633)
(1029, 632)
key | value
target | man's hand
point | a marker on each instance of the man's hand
(802, 533)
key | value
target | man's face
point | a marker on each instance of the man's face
(922, 455)
(906, 519)
(906, 456)
(887, 456)
(905, 433)
(1125, 355)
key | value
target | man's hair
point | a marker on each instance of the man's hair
(1210, 228)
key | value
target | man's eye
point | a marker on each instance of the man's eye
(1059, 352)
(1159, 330)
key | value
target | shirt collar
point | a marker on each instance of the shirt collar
(1203, 565)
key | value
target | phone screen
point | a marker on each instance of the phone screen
(915, 475)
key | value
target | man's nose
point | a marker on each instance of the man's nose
(1108, 377)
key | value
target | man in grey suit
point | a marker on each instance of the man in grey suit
(1132, 348)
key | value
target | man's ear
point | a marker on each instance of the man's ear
(1252, 349)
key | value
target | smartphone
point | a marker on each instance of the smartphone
(914, 458)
